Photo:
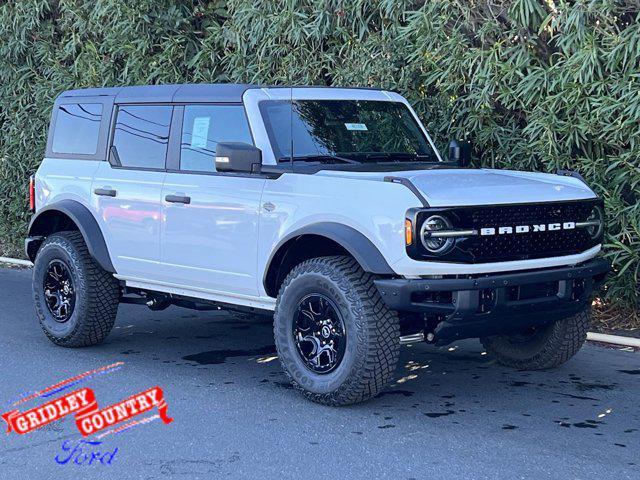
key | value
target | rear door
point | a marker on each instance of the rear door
(128, 198)
(210, 229)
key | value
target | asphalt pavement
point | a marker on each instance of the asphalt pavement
(450, 412)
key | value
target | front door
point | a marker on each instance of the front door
(210, 229)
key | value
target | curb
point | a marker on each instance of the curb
(614, 339)
(16, 261)
(594, 337)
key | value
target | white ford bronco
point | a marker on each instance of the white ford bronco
(328, 208)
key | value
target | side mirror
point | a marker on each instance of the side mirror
(238, 157)
(460, 153)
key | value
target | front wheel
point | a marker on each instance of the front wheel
(541, 348)
(336, 339)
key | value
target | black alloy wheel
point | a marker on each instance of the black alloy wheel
(59, 291)
(319, 333)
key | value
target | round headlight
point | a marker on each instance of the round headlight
(596, 220)
(431, 225)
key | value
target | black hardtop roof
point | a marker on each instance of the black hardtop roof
(221, 92)
(179, 93)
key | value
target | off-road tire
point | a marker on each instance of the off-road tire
(97, 293)
(372, 331)
(548, 348)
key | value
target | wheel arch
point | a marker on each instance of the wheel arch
(317, 240)
(68, 215)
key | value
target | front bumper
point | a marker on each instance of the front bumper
(499, 303)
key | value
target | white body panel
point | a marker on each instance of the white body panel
(60, 179)
(302, 200)
(467, 187)
(211, 243)
(130, 221)
(408, 267)
(218, 246)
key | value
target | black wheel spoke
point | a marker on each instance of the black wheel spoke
(59, 291)
(318, 333)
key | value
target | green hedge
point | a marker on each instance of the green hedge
(536, 85)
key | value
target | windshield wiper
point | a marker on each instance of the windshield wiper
(396, 156)
(319, 158)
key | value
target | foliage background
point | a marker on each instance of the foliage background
(534, 84)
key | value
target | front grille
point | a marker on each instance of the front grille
(519, 246)
(511, 246)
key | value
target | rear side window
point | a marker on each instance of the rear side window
(203, 127)
(77, 128)
(142, 134)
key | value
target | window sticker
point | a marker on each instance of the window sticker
(200, 132)
(356, 126)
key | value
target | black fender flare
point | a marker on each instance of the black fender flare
(353, 241)
(86, 223)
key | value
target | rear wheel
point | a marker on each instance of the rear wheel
(336, 339)
(76, 300)
(542, 348)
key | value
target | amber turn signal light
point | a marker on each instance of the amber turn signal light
(408, 232)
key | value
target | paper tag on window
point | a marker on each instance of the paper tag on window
(200, 132)
(356, 126)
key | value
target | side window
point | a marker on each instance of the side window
(142, 134)
(77, 128)
(203, 127)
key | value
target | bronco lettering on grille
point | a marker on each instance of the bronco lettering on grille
(539, 227)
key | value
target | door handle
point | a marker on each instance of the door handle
(105, 192)
(178, 199)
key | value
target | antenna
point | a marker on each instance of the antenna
(291, 119)
(291, 105)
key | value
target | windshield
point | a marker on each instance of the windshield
(344, 131)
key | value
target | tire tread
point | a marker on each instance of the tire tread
(565, 340)
(103, 294)
(380, 324)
